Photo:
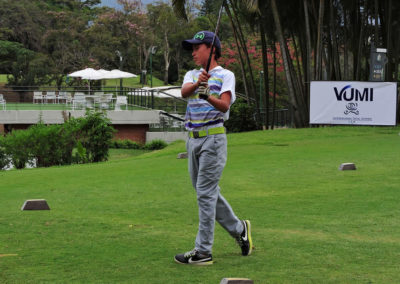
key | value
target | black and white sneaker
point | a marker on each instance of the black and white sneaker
(194, 257)
(244, 239)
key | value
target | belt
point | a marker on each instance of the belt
(204, 133)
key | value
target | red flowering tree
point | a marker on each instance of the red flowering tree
(230, 60)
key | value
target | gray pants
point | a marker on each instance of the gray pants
(207, 158)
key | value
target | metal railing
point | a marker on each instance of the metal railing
(280, 117)
(21, 98)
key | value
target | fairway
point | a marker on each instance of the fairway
(123, 221)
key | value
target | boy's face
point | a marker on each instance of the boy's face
(200, 54)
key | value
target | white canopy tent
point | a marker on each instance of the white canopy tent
(93, 74)
(89, 74)
(118, 74)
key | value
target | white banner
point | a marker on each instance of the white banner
(358, 103)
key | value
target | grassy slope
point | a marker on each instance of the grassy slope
(122, 221)
(3, 78)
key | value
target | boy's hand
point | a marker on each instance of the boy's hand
(204, 91)
(203, 77)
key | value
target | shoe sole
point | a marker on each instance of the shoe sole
(195, 263)
(249, 236)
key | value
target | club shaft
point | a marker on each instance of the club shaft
(215, 34)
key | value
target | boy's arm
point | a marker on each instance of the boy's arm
(189, 88)
(223, 103)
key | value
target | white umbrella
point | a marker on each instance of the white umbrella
(102, 73)
(89, 74)
(118, 74)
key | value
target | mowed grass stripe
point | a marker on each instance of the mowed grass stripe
(123, 221)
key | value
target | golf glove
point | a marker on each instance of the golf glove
(204, 92)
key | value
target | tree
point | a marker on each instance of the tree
(64, 42)
(25, 67)
(164, 23)
(23, 21)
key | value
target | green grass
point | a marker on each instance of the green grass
(3, 78)
(51, 106)
(118, 154)
(123, 221)
(127, 82)
(133, 82)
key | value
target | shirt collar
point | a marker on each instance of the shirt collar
(216, 68)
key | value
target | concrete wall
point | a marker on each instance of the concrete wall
(166, 136)
(59, 116)
(131, 125)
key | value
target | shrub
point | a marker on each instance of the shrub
(124, 144)
(46, 144)
(155, 145)
(129, 144)
(4, 159)
(241, 117)
(115, 144)
(69, 138)
(16, 147)
(79, 155)
(97, 134)
(79, 140)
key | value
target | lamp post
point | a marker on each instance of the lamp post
(120, 67)
(152, 51)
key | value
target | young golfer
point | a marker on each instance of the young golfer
(210, 96)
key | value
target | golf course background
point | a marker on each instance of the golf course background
(122, 221)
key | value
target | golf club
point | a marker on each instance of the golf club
(215, 34)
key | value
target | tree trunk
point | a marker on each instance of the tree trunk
(345, 47)
(308, 74)
(265, 73)
(178, 61)
(296, 52)
(298, 86)
(318, 60)
(360, 42)
(242, 65)
(376, 34)
(243, 44)
(274, 89)
(298, 113)
(167, 58)
(335, 52)
(146, 53)
(391, 63)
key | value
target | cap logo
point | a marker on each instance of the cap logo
(199, 36)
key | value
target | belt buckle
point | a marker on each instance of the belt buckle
(196, 134)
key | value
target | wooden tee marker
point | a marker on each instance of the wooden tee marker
(236, 281)
(183, 155)
(35, 204)
(347, 166)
